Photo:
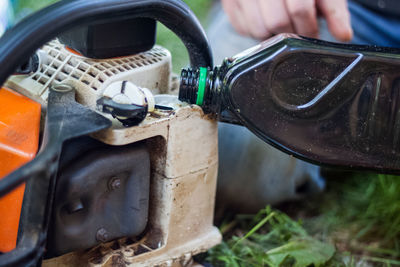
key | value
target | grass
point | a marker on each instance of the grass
(370, 204)
(357, 223)
(274, 240)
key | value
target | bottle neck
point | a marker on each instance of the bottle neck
(202, 87)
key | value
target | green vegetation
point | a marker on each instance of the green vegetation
(170, 41)
(274, 240)
(355, 223)
(33, 4)
(369, 208)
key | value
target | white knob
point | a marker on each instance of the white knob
(125, 92)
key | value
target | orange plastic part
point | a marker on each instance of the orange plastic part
(19, 138)
(73, 51)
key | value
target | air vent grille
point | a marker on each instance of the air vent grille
(60, 66)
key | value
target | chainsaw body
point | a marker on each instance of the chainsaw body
(167, 178)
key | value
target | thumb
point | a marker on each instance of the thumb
(337, 16)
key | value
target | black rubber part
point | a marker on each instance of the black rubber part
(189, 85)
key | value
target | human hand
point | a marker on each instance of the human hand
(263, 18)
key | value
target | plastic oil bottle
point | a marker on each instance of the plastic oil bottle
(330, 104)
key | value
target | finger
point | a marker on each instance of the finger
(275, 15)
(235, 16)
(337, 16)
(254, 20)
(303, 14)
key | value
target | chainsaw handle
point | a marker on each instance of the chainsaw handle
(21, 41)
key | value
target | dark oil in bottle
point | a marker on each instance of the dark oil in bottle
(330, 104)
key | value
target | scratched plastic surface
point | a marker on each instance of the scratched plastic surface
(19, 139)
(327, 103)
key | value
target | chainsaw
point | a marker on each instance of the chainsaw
(108, 158)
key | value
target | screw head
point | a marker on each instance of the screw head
(102, 235)
(74, 206)
(115, 183)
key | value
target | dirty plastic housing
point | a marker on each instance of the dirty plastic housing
(327, 103)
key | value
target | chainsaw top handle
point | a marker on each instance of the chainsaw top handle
(21, 41)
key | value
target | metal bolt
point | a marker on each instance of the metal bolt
(115, 183)
(62, 87)
(381, 4)
(74, 206)
(102, 235)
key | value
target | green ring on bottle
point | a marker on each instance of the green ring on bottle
(202, 86)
